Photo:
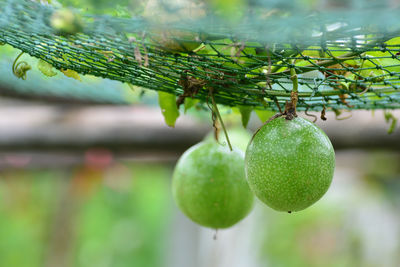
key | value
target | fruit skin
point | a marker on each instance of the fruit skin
(210, 187)
(289, 164)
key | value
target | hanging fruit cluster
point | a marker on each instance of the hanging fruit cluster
(288, 165)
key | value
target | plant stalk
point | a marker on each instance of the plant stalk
(221, 121)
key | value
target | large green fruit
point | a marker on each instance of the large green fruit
(210, 187)
(289, 164)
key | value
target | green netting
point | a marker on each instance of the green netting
(347, 57)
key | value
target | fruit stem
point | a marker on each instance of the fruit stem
(215, 237)
(293, 77)
(15, 62)
(290, 108)
(220, 120)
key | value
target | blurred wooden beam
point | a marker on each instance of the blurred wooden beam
(364, 130)
(137, 129)
(45, 99)
(77, 127)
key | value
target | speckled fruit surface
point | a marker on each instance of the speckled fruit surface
(289, 164)
(210, 187)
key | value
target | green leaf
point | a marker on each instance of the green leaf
(389, 116)
(46, 68)
(72, 74)
(168, 107)
(264, 115)
(190, 102)
(392, 126)
(245, 111)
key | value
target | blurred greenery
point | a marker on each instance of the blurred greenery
(118, 220)
(313, 237)
(122, 214)
(128, 225)
(25, 208)
(121, 8)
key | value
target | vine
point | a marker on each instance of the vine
(21, 68)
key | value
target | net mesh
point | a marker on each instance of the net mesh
(348, 58)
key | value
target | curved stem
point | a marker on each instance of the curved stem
(221, 121)
(15, 62)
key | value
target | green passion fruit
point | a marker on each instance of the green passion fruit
(210, 187)
(289, 164)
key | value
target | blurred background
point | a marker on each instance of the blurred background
(85, 177)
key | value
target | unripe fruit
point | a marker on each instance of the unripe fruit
(65, 21)
(209, 185)
(289, 164)
(175, 40)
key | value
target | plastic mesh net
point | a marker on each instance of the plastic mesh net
(347, 58)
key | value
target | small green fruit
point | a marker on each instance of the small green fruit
(209, 185)
(175, 40)
(289, 164)
(66, 22)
